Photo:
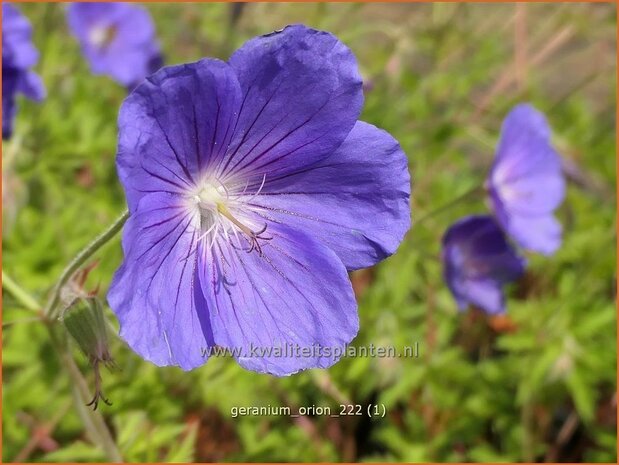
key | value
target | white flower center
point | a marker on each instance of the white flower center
(101, 36)
(209, 196)
(225, 211)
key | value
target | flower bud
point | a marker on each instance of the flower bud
(86, 324)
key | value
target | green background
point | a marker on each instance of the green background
(537, 384)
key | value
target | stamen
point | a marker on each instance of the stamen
(221, 208)
(207, 232)
(215, 200)
(264, 178)
(252, 236)
(223, 186)
(245, 188)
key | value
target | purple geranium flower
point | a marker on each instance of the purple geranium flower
(118, 40)
(252, 189)
(526, 183)
(478, 261)
(18, 56)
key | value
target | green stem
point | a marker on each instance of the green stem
(325, 383)
(468, 194)
(93, 420)
(528, 444)
(79, 260)
(19, 294)
(34, 319)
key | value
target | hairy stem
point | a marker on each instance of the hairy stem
(80, 258)
(93, 420)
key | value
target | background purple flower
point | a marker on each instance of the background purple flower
(252, 188)
(118, 40)
(526, 182)
(18, 56)
(478, 261)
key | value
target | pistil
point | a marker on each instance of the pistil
(223, 210)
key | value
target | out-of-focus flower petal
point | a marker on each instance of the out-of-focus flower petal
(356, 201)
(10, 78)
(18, 55)
(542, 233)
(118, 39)
(478, 261)
(32, 86)
(485, 294)
(531, 196)
(18, 50)
(526, 182)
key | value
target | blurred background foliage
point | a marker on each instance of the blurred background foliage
(538, 383)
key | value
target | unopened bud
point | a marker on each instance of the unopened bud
(86, 324)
